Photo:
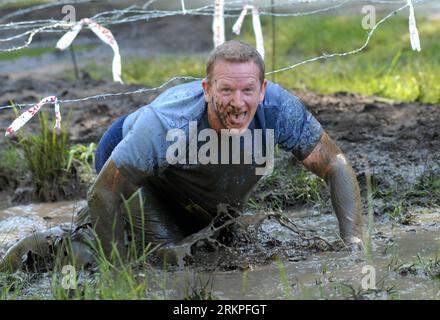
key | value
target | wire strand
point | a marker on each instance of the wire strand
(186, 78)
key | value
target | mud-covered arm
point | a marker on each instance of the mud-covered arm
(104, 200)
(328, 162)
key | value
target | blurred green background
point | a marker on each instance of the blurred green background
(388, 67)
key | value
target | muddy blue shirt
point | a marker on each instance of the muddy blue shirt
(141, 155)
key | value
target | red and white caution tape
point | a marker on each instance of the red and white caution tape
(257, 30)
(107, 37)
(57, 115)
(104, 34)
(182, 2)
(237, 25)
(67, 39)
(413, 32)
(218, 25)
(256, 23)
(31, 112)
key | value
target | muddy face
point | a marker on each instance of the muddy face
(233, 95)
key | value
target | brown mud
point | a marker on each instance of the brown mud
(400, 141)
(401, 144)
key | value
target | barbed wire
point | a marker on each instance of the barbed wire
(41, 7)
(327, 56)
(155, 14)
(31, 36)
(148, 3)
(297, 14)
(112, 95)
(148, 14)
(50, 25)
(186, 78)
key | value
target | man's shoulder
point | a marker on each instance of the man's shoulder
(185, 93)
(277, 97)
(280, 105)
(173, 108)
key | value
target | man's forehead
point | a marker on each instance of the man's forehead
(243, 80)
(236, 70)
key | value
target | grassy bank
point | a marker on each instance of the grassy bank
(35, 52)
(46, 163)
(387, 67)
(19, 4)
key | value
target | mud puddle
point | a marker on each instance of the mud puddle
(19, 221)
(397, 266)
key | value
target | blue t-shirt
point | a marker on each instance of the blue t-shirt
(142, 154)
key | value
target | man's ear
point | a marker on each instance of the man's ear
(263, 90)
(206, 90)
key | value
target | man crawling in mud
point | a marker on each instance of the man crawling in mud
(173, 154)
(182, 197)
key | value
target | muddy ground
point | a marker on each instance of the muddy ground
(399, 141)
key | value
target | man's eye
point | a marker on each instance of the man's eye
(226, 90)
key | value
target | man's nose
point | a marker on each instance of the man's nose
(237, 99)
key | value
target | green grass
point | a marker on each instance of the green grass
(45, 155)
(43, 160)
(35, 52)
(200, 289)
(349, 291)
(368, 233)
(288, 186)
(25, 52)
(428, 266)
(20, 4)
(12, 285)
(387, 67)
(429, 183)
(11, 165)
(84, 154)
(153, 71)
(110, 277)
(284, 279)
(46, 161)
(400, 198)
(110, 280)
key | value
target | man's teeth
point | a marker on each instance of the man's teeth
(237, 117)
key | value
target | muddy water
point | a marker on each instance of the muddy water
(21, 220)
(327, 275)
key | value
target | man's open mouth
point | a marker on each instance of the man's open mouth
(237, 118)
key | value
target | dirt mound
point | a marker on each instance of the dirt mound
(392, 136)
(397, 138)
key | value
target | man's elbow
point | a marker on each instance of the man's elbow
(339, 165)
